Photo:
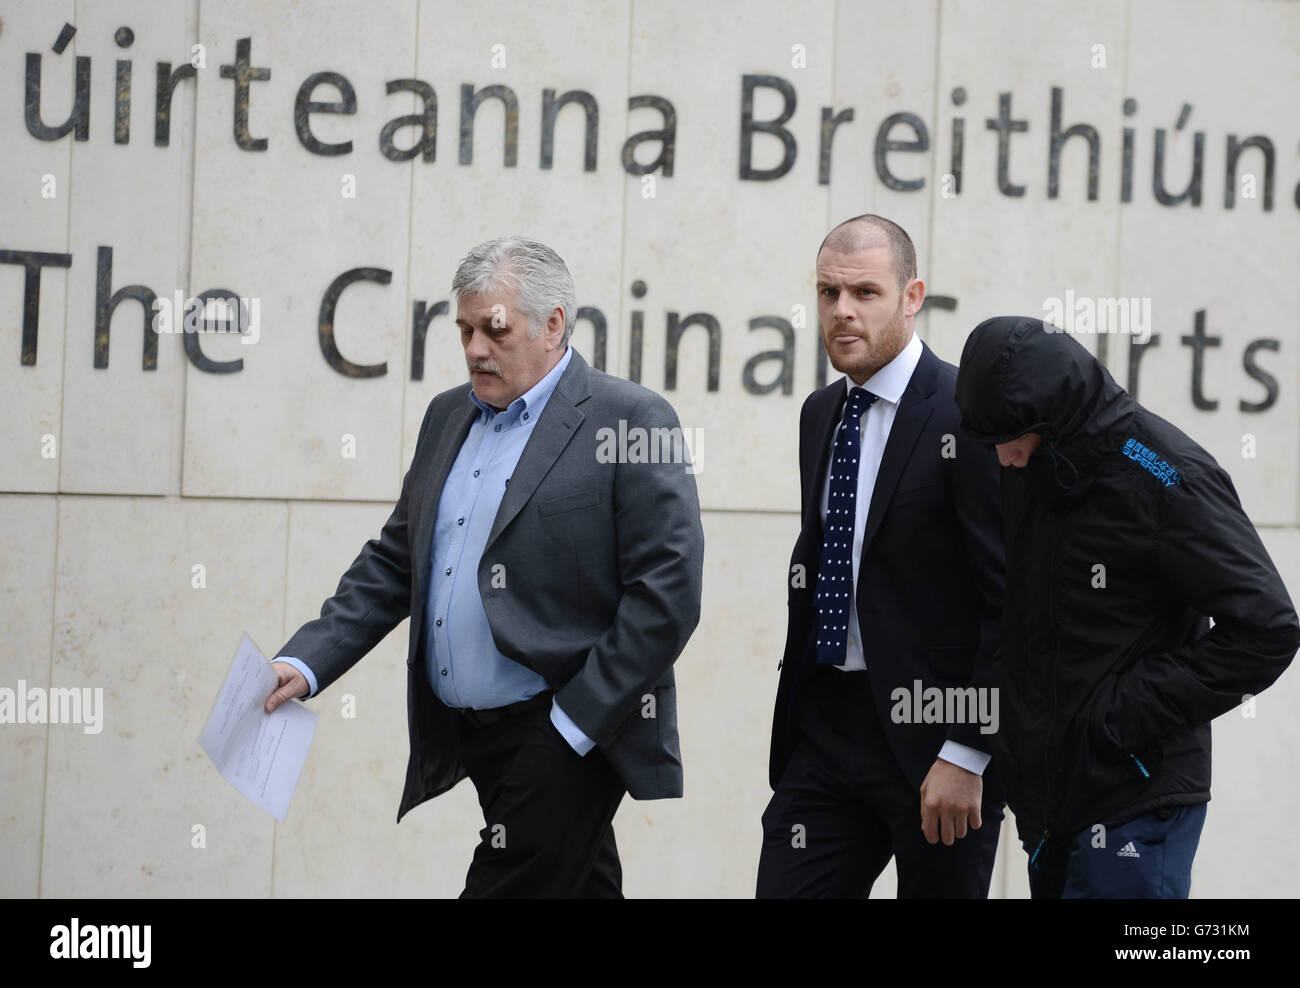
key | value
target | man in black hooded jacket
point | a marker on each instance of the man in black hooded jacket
(1122, 536)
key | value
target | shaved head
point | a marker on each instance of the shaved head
(867, 231)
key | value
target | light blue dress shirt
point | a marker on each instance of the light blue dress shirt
(464, 666)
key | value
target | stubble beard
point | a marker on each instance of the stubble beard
(879, 348)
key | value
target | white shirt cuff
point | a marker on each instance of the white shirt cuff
(578, 741)
(302, 668)
(964, 756)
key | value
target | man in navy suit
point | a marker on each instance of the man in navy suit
(881, 738)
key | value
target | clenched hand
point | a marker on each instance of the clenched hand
(292, 684)
(950, 802)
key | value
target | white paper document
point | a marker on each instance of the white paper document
(260, 754)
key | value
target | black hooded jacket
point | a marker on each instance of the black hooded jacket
(1122, 536)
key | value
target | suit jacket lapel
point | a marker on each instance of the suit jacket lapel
(427, 489)
(553, 431)
(914, 410)
(823, 419)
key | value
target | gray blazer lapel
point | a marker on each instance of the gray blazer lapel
(553, 431)
(426, 490)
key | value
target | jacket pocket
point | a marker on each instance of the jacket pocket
(568, 502)
(1099, 739)
(951, 662)
(926, 492)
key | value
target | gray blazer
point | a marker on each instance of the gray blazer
(591, 577)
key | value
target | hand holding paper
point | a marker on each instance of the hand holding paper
(259, 753)
(293, 684)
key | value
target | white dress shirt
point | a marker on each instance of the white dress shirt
(888, 384)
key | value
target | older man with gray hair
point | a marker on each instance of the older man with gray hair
(550, 590)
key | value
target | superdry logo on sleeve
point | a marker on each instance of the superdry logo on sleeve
(1151, 461)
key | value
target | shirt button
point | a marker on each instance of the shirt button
(460, 521)
(497, 429)
(448, 571)
(525, 416)
(476, 473)
(444, 672)
(438, 623)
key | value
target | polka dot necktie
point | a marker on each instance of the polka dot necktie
(835, 571)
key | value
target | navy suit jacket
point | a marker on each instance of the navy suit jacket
(929, 589)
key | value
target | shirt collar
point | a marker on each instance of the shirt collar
(534, 399)
(891, 380)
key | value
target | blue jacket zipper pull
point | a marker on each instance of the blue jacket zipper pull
(1141, 768)
(1034, 857)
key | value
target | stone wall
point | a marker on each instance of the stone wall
(165, 491)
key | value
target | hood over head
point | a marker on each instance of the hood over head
(1021, 375)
